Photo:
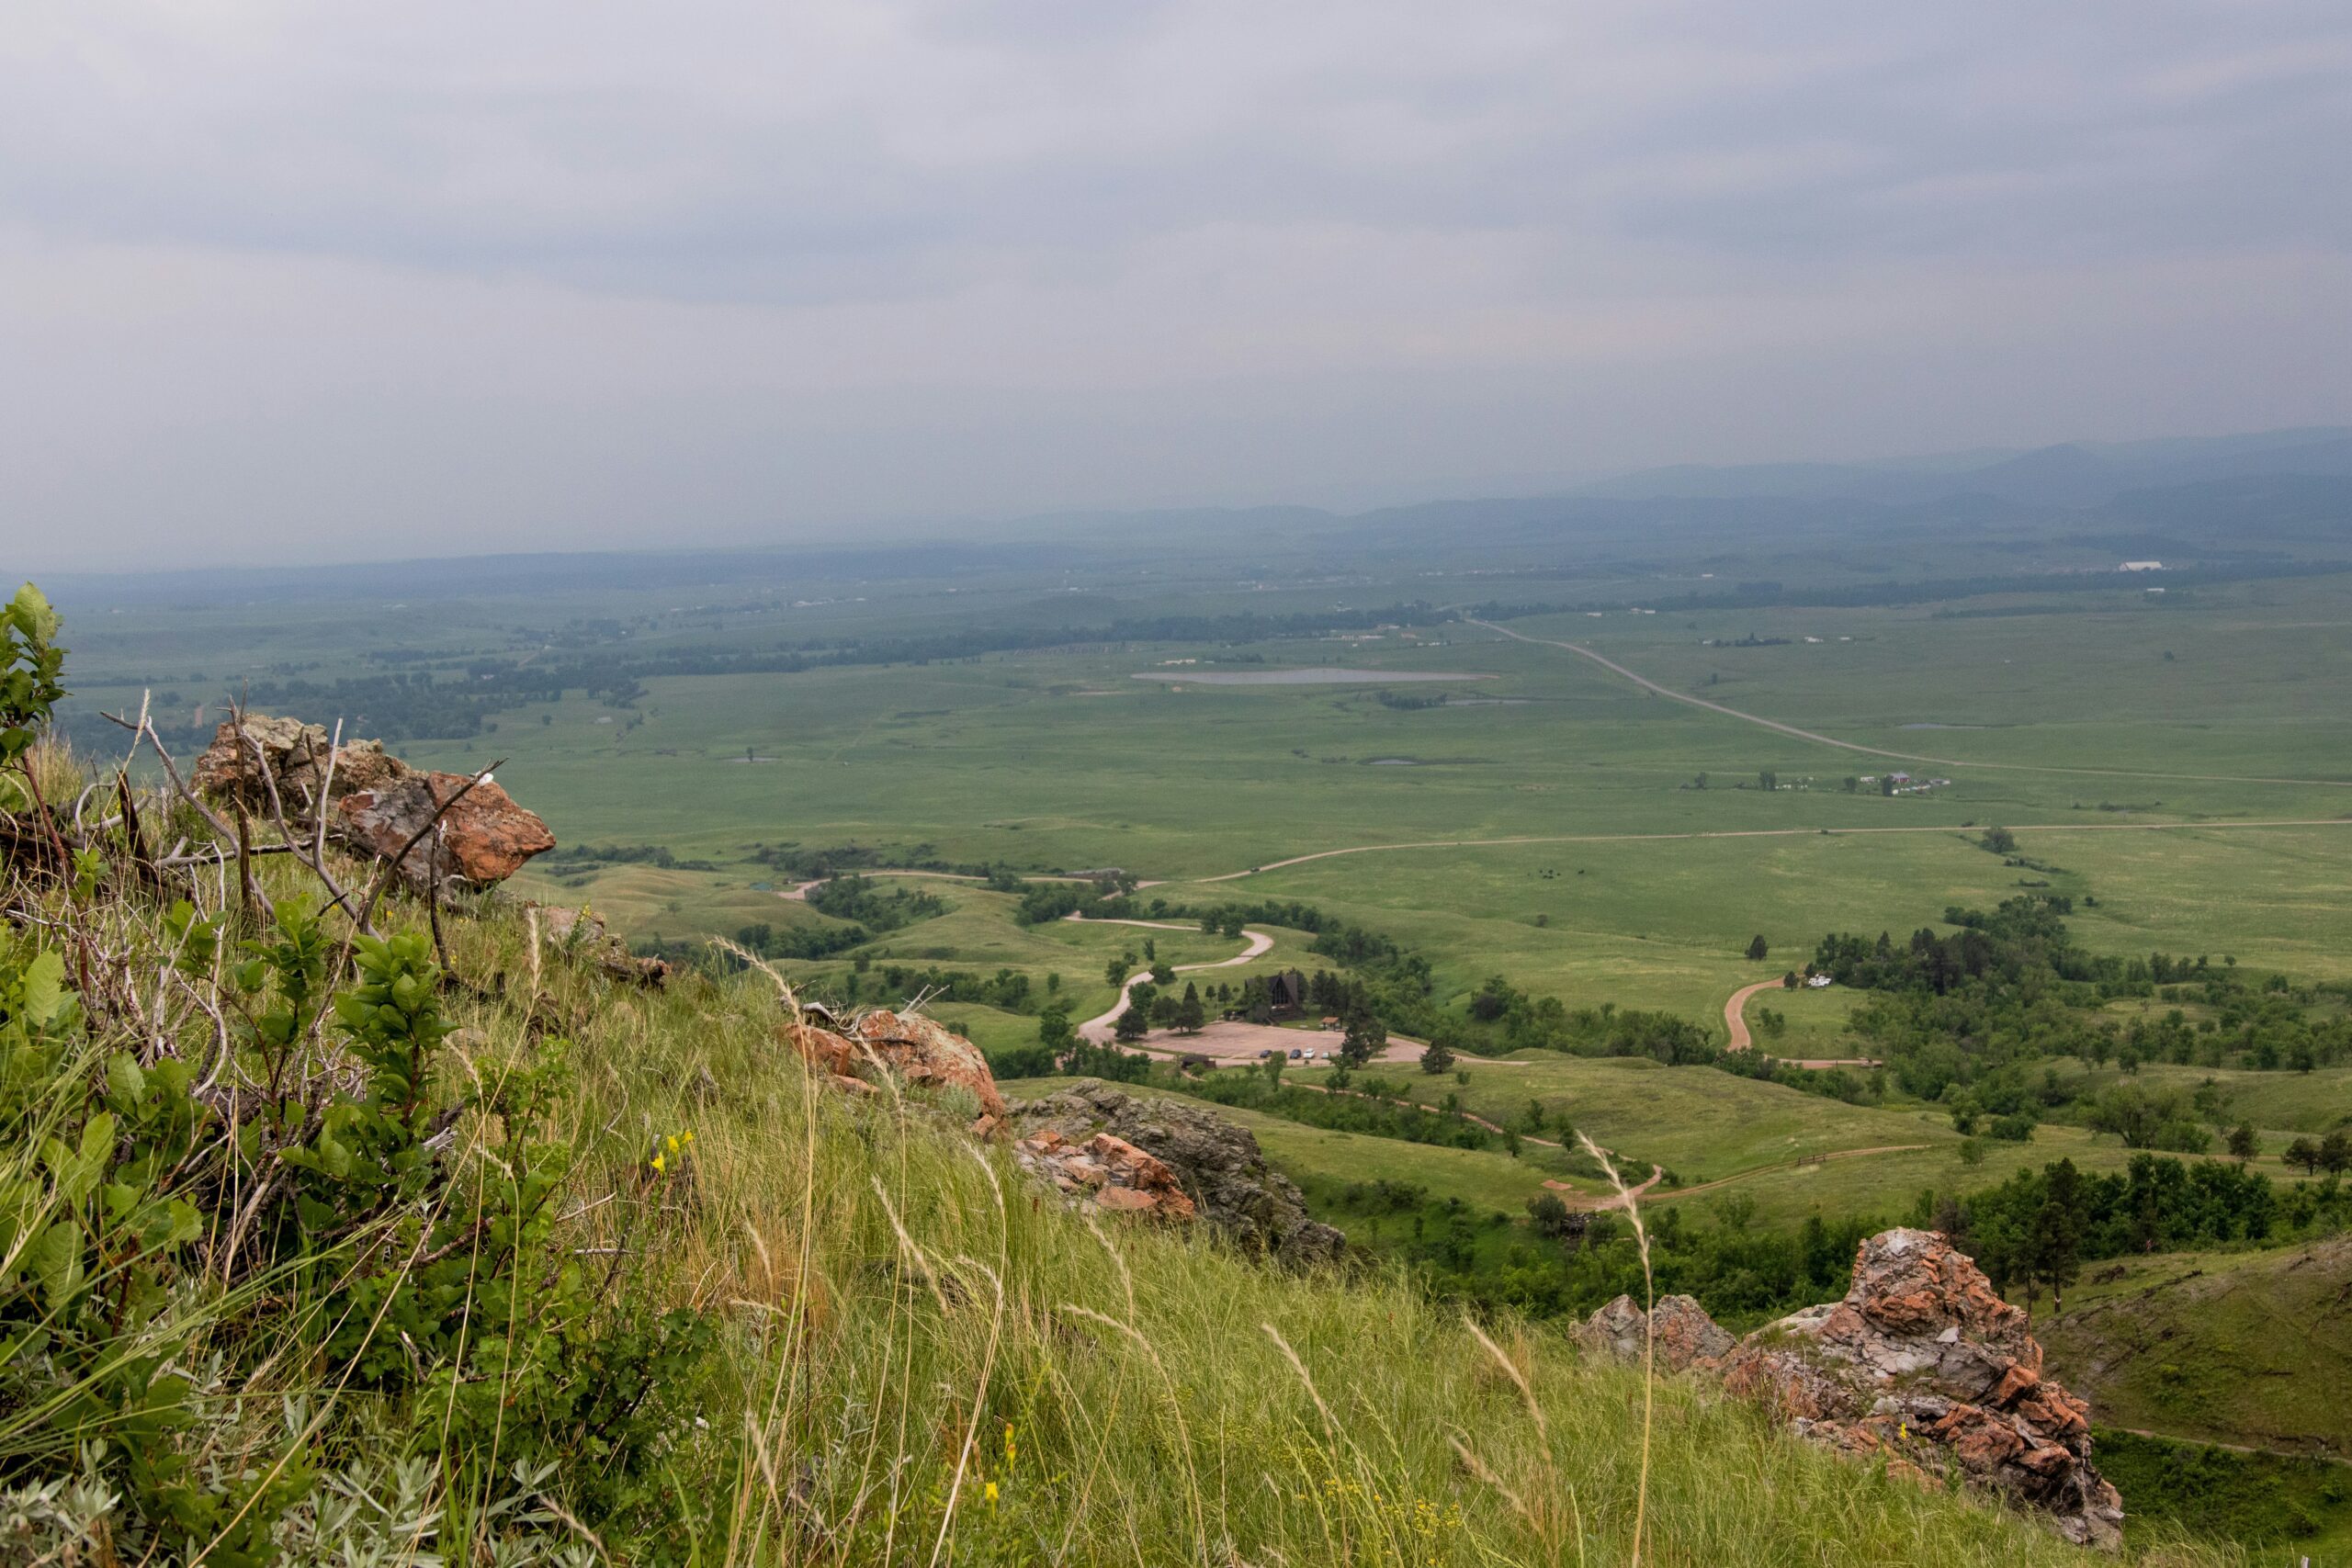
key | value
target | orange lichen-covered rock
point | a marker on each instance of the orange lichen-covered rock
(927, 1054)
(1922, 1365)
(483, 838)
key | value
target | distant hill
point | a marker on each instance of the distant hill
(2069, 475)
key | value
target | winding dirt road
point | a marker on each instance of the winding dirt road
(1098, 1030)
(1736, 1020)
(1735, 1013)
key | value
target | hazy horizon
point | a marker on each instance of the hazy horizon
(282, 287)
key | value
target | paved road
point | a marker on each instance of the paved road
(1647, 684)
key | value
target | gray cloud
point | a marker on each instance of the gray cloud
(545, 272)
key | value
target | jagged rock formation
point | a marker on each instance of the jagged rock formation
(1921, 1362)
(271, 765)
(1217, 1166)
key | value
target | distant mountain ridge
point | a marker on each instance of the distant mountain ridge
(2071, 474)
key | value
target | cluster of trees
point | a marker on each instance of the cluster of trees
(1559, 1263)
(2007, 988)
(802, 861)
(1106, 898)
(1509, 1019)
(873, 906)
(1361, 1112)
(1007, 990)
(792, 942)
(2038, 1228)
(1150, 1007)
(564, 855)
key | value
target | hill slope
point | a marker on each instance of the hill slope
(2245, 1347)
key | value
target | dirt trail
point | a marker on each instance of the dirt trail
(1736, 1020)
(1098, 1030)
(1735, 1013)
(1647, 684)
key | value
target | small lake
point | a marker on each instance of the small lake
(1323, 676)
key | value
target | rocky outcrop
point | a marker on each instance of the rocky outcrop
(1686, 1334)
(580, 936)
(377, 803)
(244, 760)
(1216, 1166)
(1108, 1171)
(908, 1044)
(1922, 1363)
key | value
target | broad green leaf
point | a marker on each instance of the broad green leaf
(55, 1259)
(44, 988)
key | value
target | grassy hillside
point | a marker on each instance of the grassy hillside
(2251, 1347)
(914, 1357)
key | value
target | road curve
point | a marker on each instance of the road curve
(1735, 1013)
(1098, 1030)
(1736, 1020)
(1647, 684)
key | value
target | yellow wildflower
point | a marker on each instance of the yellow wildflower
(674, 1142)
(688, 1136)
(988, 1492)
(657, 1162)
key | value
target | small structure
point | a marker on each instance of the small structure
(2141, 565)
(1286, 993)
(1816, 982)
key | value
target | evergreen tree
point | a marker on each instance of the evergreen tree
(2057, 1238)
(1054, 1032)
(2244, 1143)
(1438, 1058)
(1366, 1037)
(1190, 1014)
(1132, 1025)
(1757, 948)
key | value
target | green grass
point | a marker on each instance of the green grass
(2294, 1510)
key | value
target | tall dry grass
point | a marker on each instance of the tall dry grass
(929, 1361)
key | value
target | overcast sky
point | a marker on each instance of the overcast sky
(304, 281)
